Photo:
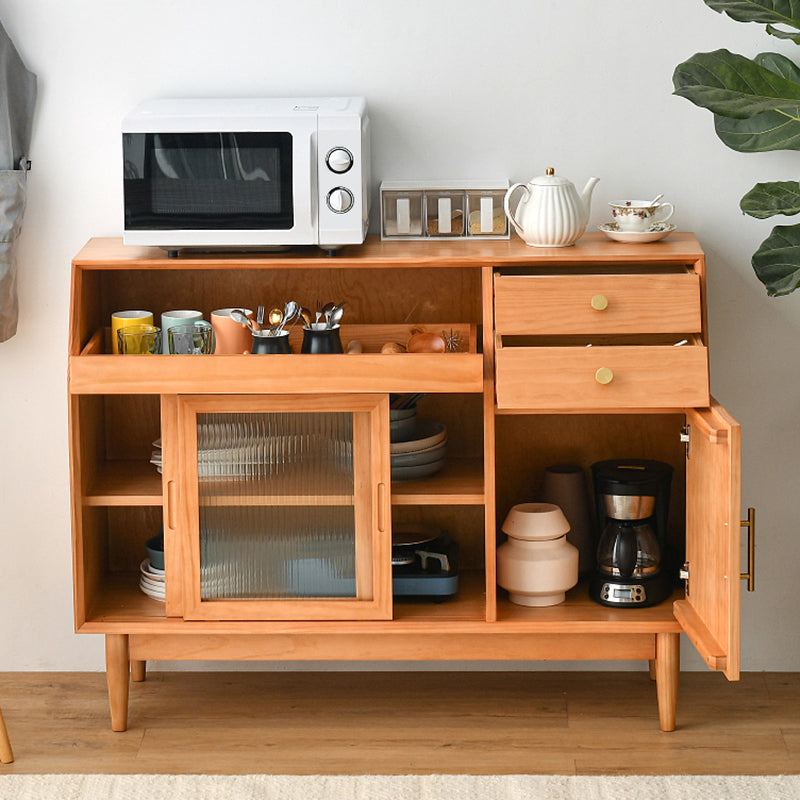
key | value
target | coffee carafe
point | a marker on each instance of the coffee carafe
(632, 506)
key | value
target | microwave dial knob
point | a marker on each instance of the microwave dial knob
(340, 200)
(339, 160)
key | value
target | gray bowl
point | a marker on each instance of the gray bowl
(403, 428)
(155, 551)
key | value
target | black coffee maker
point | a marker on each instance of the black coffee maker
(632, 498)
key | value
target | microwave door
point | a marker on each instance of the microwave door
(226, 188)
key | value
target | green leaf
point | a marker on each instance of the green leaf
(774, 12)
(769, 131)
(764, 132)
(734, 86)
(777, 260)
(779, 34)
(768, 199)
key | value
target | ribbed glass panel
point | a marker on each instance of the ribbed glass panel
(277, 518)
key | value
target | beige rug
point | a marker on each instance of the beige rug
(404, 787)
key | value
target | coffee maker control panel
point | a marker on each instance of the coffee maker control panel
(623, 594)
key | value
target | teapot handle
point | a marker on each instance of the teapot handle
(508, 211)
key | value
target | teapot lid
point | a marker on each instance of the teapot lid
(550, 179)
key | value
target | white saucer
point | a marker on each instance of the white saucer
(652, 234)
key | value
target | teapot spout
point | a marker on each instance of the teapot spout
(586, 197)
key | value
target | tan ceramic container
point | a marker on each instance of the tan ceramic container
(537, 565)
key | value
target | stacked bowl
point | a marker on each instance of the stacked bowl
(418, 447)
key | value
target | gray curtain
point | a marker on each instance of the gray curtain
(17, 101)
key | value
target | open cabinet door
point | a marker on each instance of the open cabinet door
(710, 612)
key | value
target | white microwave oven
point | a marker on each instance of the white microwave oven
(246, 173)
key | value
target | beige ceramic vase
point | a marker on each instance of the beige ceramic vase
(536, 564)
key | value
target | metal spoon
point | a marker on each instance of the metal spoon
(306, 315)
(275, 318)
(291, 312)
(334, 316)
(242, 318)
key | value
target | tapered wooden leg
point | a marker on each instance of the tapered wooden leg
(6, 753)
(668, 667)
(117, 675)
(138, 671)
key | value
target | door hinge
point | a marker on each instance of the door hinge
(683, 574)
(686, 437)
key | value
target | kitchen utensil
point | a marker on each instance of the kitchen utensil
(305, 315)
(321, 339)
(291, 313)
(565, 486)
(551, 213)
(536, 564)
(196, 338)
(640, 215)
(653, 234)
(122, 319)
(137, 340)
(155, 550)
(170, 318)
(260, 317)
(429, 433)
(241, 317)
(632, 498)
(232, 336)
(656, 199)
(275, 318)
(334, 316)
(269, 341)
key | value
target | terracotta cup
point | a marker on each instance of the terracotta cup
(122, 319)
(565, 485)
(231, 336)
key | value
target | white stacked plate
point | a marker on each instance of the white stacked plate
(151, 581)
(422, 456)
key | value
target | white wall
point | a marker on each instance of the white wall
(456, 89)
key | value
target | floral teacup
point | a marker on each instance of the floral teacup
(640, 215)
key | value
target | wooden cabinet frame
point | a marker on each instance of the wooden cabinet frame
(119, 404)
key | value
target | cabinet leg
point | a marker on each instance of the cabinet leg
(6, 753)
(117, 674)
(668, 665)
(652, 666)
(138, 671)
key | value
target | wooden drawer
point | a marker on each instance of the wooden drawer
(602, 378)
(570, 304)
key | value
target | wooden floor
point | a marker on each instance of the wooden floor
(402, 723)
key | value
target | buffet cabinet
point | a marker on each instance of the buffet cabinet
(572, 355)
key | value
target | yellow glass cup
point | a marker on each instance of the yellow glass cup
(138, 340)
(122, 319)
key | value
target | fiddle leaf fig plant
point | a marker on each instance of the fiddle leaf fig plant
(756, 107)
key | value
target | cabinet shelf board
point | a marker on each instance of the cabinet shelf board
(123, 608)
(578, 613)
(460, 483)
(125, 483)
(277, 374)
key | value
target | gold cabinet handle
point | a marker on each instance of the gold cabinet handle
(599, 302)
(750, 575)
(604, 376)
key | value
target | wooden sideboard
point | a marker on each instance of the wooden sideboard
(525, 393)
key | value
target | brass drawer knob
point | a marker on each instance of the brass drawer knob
(599, 302)
(604, 375)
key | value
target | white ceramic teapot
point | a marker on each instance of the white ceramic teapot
(551, 213)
